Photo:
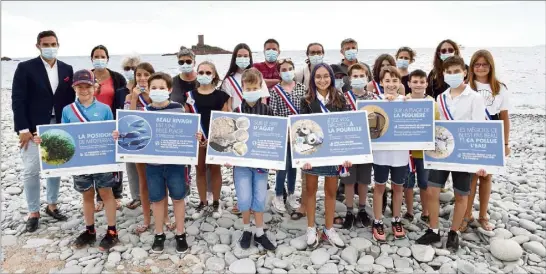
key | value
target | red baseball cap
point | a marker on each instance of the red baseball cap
(83, 76)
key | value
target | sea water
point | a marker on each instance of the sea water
(522, 69)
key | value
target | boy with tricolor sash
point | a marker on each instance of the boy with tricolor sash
(86, 109)
(417, 81)
(459, 102)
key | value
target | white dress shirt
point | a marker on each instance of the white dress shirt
(469, 105)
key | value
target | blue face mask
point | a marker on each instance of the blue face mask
(49, 53)
(185, 68)
(100, 63)
(253, 96)
(446, 55)
(351, 54)
(288, 76)
(315, 59)
(129, 75)
(242, 62)
(271, 55)
(454, 80)
(402, 63)
(204, 79)
(339, 83)
(358, 83)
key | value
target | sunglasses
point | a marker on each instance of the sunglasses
(187, 62)
(449, 50)
(129, 68)
(205, 72)
(282, 61)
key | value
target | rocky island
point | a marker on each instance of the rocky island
(202, 49)
(4, 58)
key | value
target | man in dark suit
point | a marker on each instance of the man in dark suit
(41, 88)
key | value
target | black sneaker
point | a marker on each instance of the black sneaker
(452, 240)
(264, 242)
(110, 240)
(349, 220)
(84, 239)
(363, 218)
(245, 239)
(159, 243)
(425, 219)
(384, 201)
(429, 238)
(408, 217)
(181, 243)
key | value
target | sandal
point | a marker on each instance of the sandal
(484, 223)
(425, 219)
(465, 224)
(118, 204)
(133, 204)
(296, 215)
(170, 225)
(141, 228)
(99, 206)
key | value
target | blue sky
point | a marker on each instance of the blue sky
(150, 27)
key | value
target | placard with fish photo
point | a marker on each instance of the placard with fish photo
(325, 139)
(157, 137)
(468, 146)
(77, 148)
(247, 140)
(400, 125)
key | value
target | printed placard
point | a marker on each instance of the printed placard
(400, 125)
(468, 146)
(77, 148)
(247, 140)
(329, 139)
(157, 137)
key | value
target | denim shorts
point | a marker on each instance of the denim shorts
(420, 172)
(82, 183)
(461, 180)
(250, 188)
(159, 178)
(381, 174)
(327, 171)
(358, 174)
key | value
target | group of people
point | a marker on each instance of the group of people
(47, 91)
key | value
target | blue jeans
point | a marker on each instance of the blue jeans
(31, 179)
(159, 178)
(251, 188)
(283, 174)
(422, 175)
(82, 183)
(381, 174)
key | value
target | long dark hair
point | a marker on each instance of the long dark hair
(145, 66)
(100, 47)
(437, 69)
(377, 65)
(233, 66)
(334, 96)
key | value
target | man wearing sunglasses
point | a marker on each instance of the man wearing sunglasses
(268, 68)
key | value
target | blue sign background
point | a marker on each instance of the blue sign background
(475, 143)
(267, 138)
(410, 121)
(343, 133)
(92, 141)
(160, 133)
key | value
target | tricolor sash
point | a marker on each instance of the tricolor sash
(79, 112)
(378, 88)
(351, 98)
(280, 91)
(193, 108)
(487, 115)
(141, 98)
(236, 87)
(342, 171)
(443, 106)
(411, 163)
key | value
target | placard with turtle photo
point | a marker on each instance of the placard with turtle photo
(378, 121)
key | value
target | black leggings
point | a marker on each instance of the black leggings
(117, 189)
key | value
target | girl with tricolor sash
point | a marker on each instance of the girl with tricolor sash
(285, 101)
(359, 174)
(382, 61)
(482, 78)
(205, 99)
(323, 97)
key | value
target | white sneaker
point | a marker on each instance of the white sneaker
(278, 205)
(216, 211)
(312, 239)
(292, 201)
(334, 239)
(199, 211)
(210, 198)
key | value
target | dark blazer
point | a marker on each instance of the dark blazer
(314, 106)
(120, 90)
(32, 97)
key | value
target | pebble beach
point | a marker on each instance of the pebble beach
(516, 245)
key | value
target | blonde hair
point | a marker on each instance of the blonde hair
(252, 76)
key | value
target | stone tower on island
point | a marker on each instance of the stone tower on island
(202, 49)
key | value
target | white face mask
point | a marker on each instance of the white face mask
(49, 53)
(358, 83)
(315, 59)
(454, 80)
(159, 95)
(242, 62)
(129, 75)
